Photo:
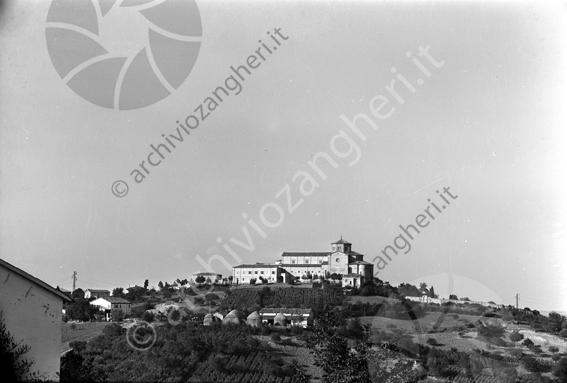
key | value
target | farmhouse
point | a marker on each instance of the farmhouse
(108, 304)
(340, 260)
(31, 312)
(93, 293)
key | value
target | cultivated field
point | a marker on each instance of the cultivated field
(79, 331)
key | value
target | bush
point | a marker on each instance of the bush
(528, 343)
(560, 369)
(553, 349)
(148, 317)
(516, 353)
(490, 330)
(533, 364)
(275, 337)
(515, 336)
(431, 341)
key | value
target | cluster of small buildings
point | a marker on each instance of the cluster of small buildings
(441, 301)
(271, 316)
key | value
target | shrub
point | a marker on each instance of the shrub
(431, 341)
(555, 357)
(275, 337)
(553, 349)
(563, 333)
(560, 369)
(528, 343)
(148, 317)
(515, 336)
(533, 364)
(534, 377)
(516, 353)
(73, 326)
(490, 330)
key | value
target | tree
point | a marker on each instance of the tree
(556, 321)
(200, 280)
(453, 297)
(431, 292)
(78, 293)
(332, 353)
(423, 288)
(146, 283)
(81, 309)
(209, 281)
(528, 343)
(230, 278)
(252, 281)
(211, 297)
(118, 292)
(160, 285)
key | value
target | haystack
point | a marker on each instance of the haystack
(254, 319)
(234, 316)
(280, 319)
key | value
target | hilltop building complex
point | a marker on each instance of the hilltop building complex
(340, 260)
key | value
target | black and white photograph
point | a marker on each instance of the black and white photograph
(283, 191)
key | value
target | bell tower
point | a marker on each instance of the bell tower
(341, 246)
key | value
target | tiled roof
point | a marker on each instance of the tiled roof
(98, 291)
(360, 263)
(354, 253)
(291, 311)
(115, 300)
(352, 275)
(311, 254)
(341, 241)
(301, 265)
(31, 278)
(257, 265)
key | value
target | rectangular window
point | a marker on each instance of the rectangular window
(293, 261)
(273, 272)
(250, 272)
(255, 272)
(261, 272)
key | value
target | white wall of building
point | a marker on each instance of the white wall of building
(32, 314)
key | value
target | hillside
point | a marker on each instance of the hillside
(253, 299)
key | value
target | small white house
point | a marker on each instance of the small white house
(108, 304)
(352, 280)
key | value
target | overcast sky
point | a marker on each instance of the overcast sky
(488, 122)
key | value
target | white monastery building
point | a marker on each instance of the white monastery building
(340, 260)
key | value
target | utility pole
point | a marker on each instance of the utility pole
(517, 295)
(74, 280)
